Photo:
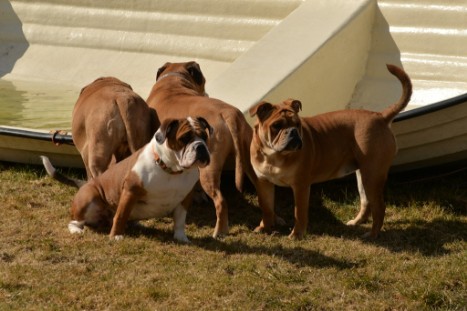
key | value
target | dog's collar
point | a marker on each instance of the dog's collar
(168, 74)
(164, 166)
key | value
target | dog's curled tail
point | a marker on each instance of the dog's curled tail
(390, 113)
(60, 177)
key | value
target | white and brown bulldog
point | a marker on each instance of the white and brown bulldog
(295, 152)
(153, 182)
(179, 92)
(110, 122)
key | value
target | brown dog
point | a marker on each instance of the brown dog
(110, 121)
(153, 182)
(287, 150)
(179, 92)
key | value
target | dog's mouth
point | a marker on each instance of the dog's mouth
(294, 143)
(203, 157)
(196, 154)
(290, 140)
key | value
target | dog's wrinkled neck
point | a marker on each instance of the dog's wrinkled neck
(162, 165)
(266, 148)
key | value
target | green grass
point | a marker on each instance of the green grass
(418, 263)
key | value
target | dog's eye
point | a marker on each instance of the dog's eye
(185, 139)
(204, 136)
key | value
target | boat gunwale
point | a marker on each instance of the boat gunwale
(417, 112)
(55, 137)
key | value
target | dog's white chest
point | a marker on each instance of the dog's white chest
(272, 173)
(164, 192)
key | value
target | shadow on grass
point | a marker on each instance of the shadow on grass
(427, 238)
(296, 255)
(430, 238)
(444, 186)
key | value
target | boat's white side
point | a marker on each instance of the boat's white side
(426, 136)
(432, 135)
(329, 54)
(23, 145)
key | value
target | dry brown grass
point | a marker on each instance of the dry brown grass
(418, 263)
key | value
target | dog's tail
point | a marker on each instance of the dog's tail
(239, 152)
(390, 113)
(60, 177)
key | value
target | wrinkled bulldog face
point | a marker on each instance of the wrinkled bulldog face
(186, 139)
(279, 126)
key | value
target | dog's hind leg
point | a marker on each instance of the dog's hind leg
(99, 159)
(210, 181)
(377, 206)
(87, 209)
(372, 188)
(85, 156)
(364, 207)
(89, 215)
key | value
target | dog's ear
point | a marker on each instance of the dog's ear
(262, 110)
(161, 70)
(164, 130)
(195, 72)
(295, 104)
(204, 123)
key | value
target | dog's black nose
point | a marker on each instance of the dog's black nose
(294, 133)
(200, 148)
(294, 144)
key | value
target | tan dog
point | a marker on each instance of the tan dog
(110, 121)
(155, 181)
(296, 152)
(179, 92)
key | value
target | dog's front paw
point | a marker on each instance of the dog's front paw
(117, 237)
(296, 235)
(181, 237)
(221, 230)
(76, 227)
(218, 235)
(262, 229)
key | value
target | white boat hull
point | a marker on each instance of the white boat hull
(433, 135)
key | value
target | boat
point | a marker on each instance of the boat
(329, 54)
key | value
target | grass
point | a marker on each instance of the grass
(418, 263)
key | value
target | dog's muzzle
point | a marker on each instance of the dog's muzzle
(294, 141)
(202, 154)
